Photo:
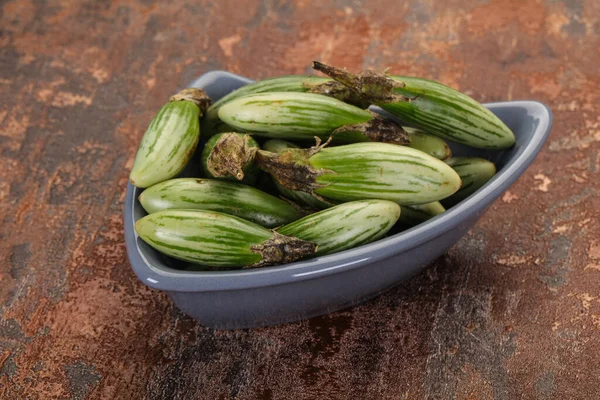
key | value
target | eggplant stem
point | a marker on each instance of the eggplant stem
(374, 87)
(194, 95)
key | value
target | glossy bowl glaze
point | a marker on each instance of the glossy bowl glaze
(274, 295)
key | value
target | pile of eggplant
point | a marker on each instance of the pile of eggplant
(295, 167)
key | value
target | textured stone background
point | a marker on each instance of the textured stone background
(513, 311)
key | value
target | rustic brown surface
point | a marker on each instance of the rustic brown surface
(513, 311)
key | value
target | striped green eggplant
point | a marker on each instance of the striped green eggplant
(219, 240)
(428, 105)
(363, 171)
(285, 115)
(432, 145)
(345, 226)
(415, 214)
(474, 172)
(231, 156)
(211, 123)
(222, 196)
(170, 140)
(301, 198)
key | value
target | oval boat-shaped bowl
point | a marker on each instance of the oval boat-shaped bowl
(275, 295)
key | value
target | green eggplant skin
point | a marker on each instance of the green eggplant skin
(171, 139)
(167, 145)
(304, 116)
(474, 172)
(242, 155)
(203, 237)
(222, 196)
(383, 171)
(211, 124)
(445, 112)
(430, 144)
(418, 213)
(285, 115)
(345, 226)
(218, 240)
(290, 83)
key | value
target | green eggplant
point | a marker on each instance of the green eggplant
(218, 240)
(362, 171)
(170, 140)
(418, 213)
(474, 173)
(216, 195)
(345, 226)
(430, 144)
(428, 105)
(304, 116)
(211, 124)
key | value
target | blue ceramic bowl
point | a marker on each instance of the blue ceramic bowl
(275, 295)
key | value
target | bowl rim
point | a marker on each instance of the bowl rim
(195, 281)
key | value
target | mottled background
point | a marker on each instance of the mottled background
(513, 311)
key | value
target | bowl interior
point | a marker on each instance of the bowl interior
(523, 118)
